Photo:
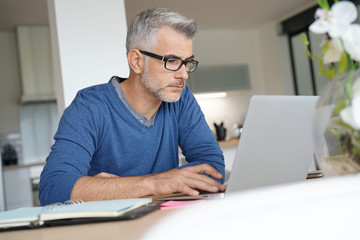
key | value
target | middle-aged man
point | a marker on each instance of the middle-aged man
(121, 139)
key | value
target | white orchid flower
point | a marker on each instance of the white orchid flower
(351, 114)
(351, 40)
(336, 21)
(356, 85)
(333, 54)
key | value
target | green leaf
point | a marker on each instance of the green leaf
(320, 2)
(343, 63)
(325, 47)
(356, 65)
(308, 53)
(335, 132)
(323, 4)
(344, 124)
(314, 57)
(326, 5)
(321, 66)
(340, 105)
(304, 39)
(329, 73)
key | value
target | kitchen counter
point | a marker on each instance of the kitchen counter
(233, 142)
(19, 166)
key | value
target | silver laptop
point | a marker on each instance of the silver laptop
(276, 145)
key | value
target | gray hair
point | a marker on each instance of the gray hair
(144, 27)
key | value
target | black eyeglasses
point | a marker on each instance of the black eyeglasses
(174, 64)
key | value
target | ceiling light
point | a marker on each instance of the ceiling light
(210, 95)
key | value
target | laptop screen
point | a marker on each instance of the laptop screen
(276, 144)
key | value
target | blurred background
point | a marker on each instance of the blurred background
(245, 47)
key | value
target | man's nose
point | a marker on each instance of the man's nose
(182, 72)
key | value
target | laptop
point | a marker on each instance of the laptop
(276, 145)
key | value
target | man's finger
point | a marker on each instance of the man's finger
(203, 182)
(204, 185)
(206, 169)
(189, 191)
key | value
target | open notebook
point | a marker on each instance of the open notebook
(276, 145)
(74, 212)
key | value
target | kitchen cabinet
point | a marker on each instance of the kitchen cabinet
(20, 188)
(219, 78)
(17, 185)
(35, 63)
(2, 192)
(38, 109)
(38, 116)
(38, 124)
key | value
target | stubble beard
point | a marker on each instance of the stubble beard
(150, 83)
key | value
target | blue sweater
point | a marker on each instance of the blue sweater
(97, 133)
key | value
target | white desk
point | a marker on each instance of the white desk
(316, 209)
(321, 209)
(130, 229)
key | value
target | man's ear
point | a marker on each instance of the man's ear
(136, 61)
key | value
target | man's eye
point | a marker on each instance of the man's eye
(173, 61)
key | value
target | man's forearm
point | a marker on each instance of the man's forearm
(106, 188)
(187, 180)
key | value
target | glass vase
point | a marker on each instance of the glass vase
(337, 144)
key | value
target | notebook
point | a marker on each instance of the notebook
(276, 145)
(71, 212)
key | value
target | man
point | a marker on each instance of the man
(121, 139)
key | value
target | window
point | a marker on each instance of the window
(306, 79)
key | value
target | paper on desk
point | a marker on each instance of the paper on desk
(178, 204)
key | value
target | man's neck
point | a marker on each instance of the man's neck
(140, 98)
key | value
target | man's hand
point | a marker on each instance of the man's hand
(187, 180)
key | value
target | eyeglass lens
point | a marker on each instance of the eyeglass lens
(175, 64)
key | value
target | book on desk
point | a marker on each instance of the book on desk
(75, 211)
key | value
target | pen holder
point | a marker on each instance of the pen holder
(220, 131)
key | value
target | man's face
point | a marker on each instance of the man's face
(167, 85)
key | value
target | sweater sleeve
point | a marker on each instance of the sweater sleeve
(71, 154)
(196, 140)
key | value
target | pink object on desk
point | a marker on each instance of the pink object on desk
(178, 204)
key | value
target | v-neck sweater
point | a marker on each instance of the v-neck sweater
(98, 133)
(141, 118)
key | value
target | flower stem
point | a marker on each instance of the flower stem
(349, 83)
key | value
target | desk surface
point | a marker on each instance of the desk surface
(130, 229)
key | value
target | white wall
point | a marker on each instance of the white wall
(259, 49)
(80, 26)
(229, 47)
(10, 89)
(35, 61)
(88, 42)
(268, 39)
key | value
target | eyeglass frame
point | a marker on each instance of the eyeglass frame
(165, 59)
